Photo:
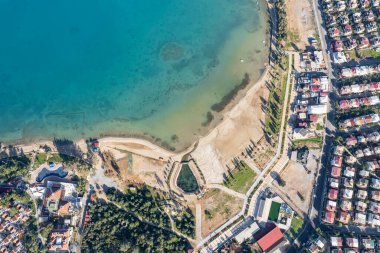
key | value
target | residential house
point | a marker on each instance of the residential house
(362, 183)
(375, 195)
(345, 205)
(347, 193)
(361, 206)
(352, 242)
(336, 241)
(329, 217)
(336, 172)
(344, 217)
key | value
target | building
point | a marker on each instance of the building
(247, 232)
(271, 240)
(59, 240)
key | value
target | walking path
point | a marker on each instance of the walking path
(226, 190)
(198, 222)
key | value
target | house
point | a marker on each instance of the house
(351, 141)
(337, 45)
(336, 241)
(359, 28)
(360, 219)
(361, 206)
(347, 193)
(357, 17)
(372, 165)
(334, 32)
(349, 172)
(374, 207)
(329, 217)
(331, 206)
(352, 242)
(333, 194)
(345, 205)
(375, 183)
(375, 195)
(347, 30)
(334, 183)
(371, 27)
(337, 161)
(368, 243)
(361, 194)
(373, 220)
(362, 183)
(374, 137)
(375, 41)
(344, 217)
(271, 239)
(348, 182)
(364, 173)
(369, 16)
(336, 171)
(344, 104)
(302, 133)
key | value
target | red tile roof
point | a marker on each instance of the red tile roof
(336, 171)
(270, 239)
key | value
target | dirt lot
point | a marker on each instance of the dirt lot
(298, 180)
(300, 21)
(217, 208)
(139, 169)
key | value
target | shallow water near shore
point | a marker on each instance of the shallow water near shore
(79, 69)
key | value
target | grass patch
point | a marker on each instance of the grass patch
(296, 226)
(310, 142)
(240, 179)
(274, 211)
(369, 52)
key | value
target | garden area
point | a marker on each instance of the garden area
(295, 227)
(240, 179)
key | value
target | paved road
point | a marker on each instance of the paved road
(319, 189)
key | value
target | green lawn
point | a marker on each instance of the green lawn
(240, 179)
(314, 142)
(296, 226)
(274, 211)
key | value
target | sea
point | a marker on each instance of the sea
(153, 69)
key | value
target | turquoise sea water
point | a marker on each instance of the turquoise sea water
(86, 68)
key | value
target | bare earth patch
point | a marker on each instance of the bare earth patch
(217, 208)
(300, 21)
(299, 181)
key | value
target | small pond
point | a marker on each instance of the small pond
(186, 179)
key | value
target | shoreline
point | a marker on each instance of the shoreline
(240, 97)
(216, 117)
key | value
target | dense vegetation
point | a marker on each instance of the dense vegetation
(13, 167)
(112, 229)
(185, 223)
(281, 20)
(141, 202)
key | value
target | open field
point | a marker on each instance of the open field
(240, 179)
(300, 22)
(217, 208)
(300, 182)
